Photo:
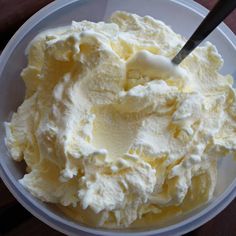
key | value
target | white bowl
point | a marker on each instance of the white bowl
(183, 16)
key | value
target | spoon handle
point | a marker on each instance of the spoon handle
(219, 12)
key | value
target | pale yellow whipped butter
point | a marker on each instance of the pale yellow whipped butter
(111, 131)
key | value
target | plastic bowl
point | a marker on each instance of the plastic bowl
(13, 60)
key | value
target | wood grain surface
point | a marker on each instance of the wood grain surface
(14, 219)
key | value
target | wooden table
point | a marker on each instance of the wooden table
(14, 219)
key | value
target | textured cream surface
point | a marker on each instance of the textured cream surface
(114, 134)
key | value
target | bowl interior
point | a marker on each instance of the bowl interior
(12, 87)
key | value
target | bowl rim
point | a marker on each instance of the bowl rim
(57, 222)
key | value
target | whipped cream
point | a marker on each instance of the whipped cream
(114, 133)
(151, 65)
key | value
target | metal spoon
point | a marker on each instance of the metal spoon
(219, 12)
